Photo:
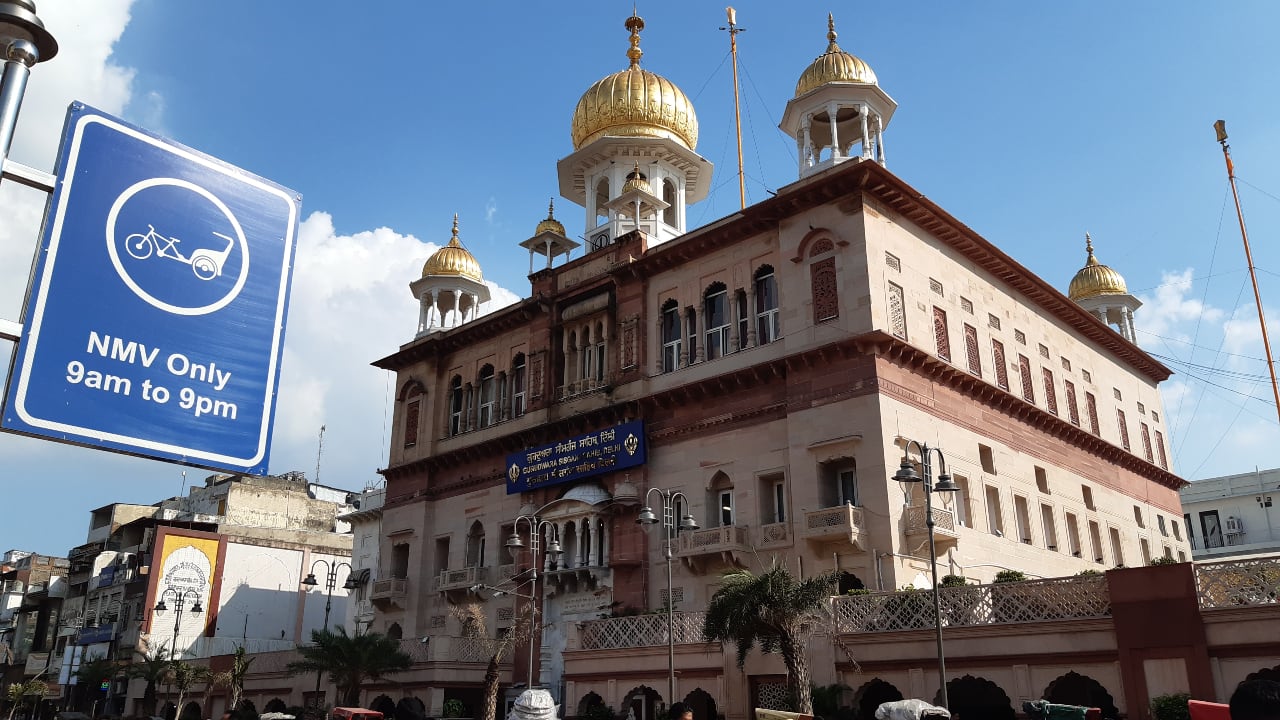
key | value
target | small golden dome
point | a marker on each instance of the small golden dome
(453, 260)
(636, 180)
(634, 103)
(1095, 279)
(551, 224)
(834, 65)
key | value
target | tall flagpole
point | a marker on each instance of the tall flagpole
(1221, 128)
(737, 112)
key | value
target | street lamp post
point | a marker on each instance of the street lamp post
(670, 528)
(536, 524)
(330, 582)
(907, 473)
(180, 598)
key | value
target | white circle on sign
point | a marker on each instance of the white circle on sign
(137, 289)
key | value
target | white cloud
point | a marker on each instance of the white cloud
(491, 210)
(1170, 308)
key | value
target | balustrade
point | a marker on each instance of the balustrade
(642, 631)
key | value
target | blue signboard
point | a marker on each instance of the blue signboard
(155, 324)
(93, 636)
(615, 448)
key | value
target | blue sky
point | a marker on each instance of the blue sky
(1030, 122)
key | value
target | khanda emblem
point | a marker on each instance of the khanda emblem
(513, 473)
(631, 444)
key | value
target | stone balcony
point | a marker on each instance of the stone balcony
(636, 631)
(714, 548)
(841, 525)
(390, 591)
(461, 579)
(945, 535)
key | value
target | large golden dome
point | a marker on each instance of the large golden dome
(453, 260)
(834, 65)
(634, 103)
(1095, 279)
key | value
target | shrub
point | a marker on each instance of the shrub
(453, 708)
(1163, 560)
(857, 591)
(1007, 576)
(1171, 707)
(1089, 573)
(953, 581)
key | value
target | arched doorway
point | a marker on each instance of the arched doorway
(384, 705)
(410, 708)
(868, 698)
(1272, 673)
(702, 705)
(394, 632)
(191, 711)
(169, 711)
(1076, 689)
(642, 702)
(275, 705)
(589, 701)
(248, 709)
(975, 697)
(849, 581)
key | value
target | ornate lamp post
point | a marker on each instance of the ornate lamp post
(907, 473)
(670, 528)
(180, 598)
(536, 525)
(330, 582)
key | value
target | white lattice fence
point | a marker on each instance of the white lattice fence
(1020, 602)
(1238, 582)
(641, 631)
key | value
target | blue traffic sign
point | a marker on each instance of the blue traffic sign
(155, 323)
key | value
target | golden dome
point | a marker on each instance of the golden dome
(453, 260)
(551, 224)
(1095, 279)
(636, 180)
(834, 65)
(634, 103)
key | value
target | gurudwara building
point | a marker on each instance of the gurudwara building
(772, 367)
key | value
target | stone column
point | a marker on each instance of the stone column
(752, 337)
(832, 109)
(880, 139)
(866, 132)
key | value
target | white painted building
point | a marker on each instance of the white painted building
(1233, 515)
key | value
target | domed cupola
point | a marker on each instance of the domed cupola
(451, 288)
(549, 239)
(839, 112)
(634, 121)
(1102, 291)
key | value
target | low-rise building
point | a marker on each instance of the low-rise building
(1230, 516)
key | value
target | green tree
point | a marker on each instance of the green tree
(184, 677)
(89, 678)
(350, 660)
(22, 694)
(777, 611)
(153, 667)
(474, 628)
(240, 663)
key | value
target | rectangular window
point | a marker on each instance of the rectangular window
(1177, 530)
(1066, 364)
(1146, 442)
(1050, 529)
(897, 311)
(1146, 551)
(1042, 480)
(1021, 516)
(716, 315)
(935, 286)
(725, 498)
(1164, 461)
(412, 413)
(940, 335)
(1044, 351)
(768, 321)
(486, 400)
(1137, 516)
(824, 286)
(442, 556)
(1086, 493)
(586, 362)
(1019, 336)
(993, 322)
(1091, 406)
(517, 388)
(1142, 409)
(847, 485)
(691, 332)
(1116, 391)
(892, 261)
(1182, 556)
(1073, 411)
(1117, 549)
(1095, 541)
(1210, 529)
(971, 349)
(455, 407)
(670, 337)
(1002, 368)
(1191, 530)
(779, 501)
(962, 500)
(744, 322)
(1073, 535)
(1155, 416)
(995, 518)
(1124, 429)
(1084, 374)
(1050, 393)
(987, 458)
(1162, 526)
(966, 305)
(1024, 371)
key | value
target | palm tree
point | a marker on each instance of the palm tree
(350, 660)
(154, 668)
(474, 628)
(91, 674)
(185, 676)
(19, 692)
(235, 676)
(779, 612)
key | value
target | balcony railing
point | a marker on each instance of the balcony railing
(461, 579)
(1236, 583)
(838, 524)
(775, 535)
(582, 387)
(642, 631)
(1070, 598)
(444, 648)
(730, 538)
(389, 590)
(944, 525)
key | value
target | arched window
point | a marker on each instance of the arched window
(475, 545)
(487, 393)
(394, 631)
(412, 414)
(600, 361)
(602, 198)
(669, 197)
(768, 326)
(715, 308)
(823, 282)
(691, 331)
(517, 386)
(670, 335)
(455, 405)
(720, 501)
(586, 354)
